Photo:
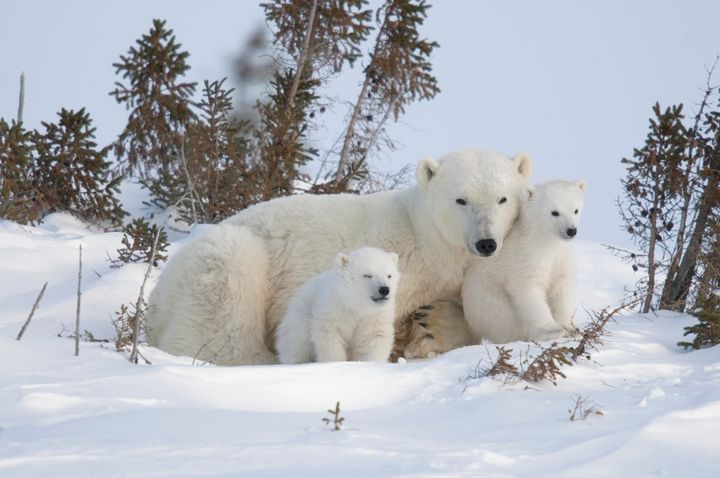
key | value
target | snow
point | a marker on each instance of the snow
(98, 415)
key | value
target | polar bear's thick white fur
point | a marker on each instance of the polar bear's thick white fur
(221, 297)
(527, 292)
(345, 313)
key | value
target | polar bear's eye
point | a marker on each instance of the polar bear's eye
(390, 276)
(502, 200)
(461, 201)
(555, 213)
(576, 211)
(367, 276)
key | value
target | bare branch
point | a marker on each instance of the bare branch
(139, 305)
(77, 311)
(32, 311)
(21, 99)
(303, 57)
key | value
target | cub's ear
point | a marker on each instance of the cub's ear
(342, 260)
(580, 183)
(426, 170)
(529, 194)
(395, 258)
(523, 163)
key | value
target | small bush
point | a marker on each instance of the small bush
(138, 238)
(707, 328)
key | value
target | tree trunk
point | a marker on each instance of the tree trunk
(651, 250)
(666, 301)
(345, 154)
(304, 54)
(21, 99)
(683, 279)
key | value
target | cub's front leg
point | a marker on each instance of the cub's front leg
(328, 342)
(534, 314)
(373, 341)
(561, 299)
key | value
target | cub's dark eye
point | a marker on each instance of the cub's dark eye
(555, 213)
(367, 276)
(576, 211)
(502, 200)
(390, 277)
(461, 201)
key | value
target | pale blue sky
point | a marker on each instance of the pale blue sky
(572, 83)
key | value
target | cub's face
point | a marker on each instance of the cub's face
(371, 276)
(473, 197)
(560, 204)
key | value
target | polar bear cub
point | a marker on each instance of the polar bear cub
(527, 292)
(345, 313)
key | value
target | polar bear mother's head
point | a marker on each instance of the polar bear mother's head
(473, 197)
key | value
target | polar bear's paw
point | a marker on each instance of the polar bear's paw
(548, 332)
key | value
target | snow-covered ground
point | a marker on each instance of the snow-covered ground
(98, 415)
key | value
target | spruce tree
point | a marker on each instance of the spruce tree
(705, 176)
(159, 102)
(399, 73)
(19, 200)
(653, 185)
(217, 157)
(707, 328)
(138, 238)
(314, 40)
(72, 174)
(280, 138)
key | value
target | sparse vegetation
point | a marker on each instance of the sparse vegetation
(583, 408)
(137, 241)
(707, 328)
(671, 205)
(548, 363)
(336, 421)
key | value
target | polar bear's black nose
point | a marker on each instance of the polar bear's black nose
(486, 246)
(571, 232)
(384, 291)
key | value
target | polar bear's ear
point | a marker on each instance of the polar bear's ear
(529, 194)
(580, 183)
(524, 165)
(342, 260)
(394, 258)
(426, 169)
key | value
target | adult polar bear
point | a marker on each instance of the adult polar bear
(222, 296)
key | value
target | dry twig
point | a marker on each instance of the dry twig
(139, 305)
(77, 311)
(32, 311)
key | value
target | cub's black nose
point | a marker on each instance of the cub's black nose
(486, 246)
(384, 291)
(571, 232)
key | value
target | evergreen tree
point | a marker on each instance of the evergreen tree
(280, 148)
(158, 100)
(72, 175)
(19, 200)
(321, 35)
(682, 280)
(707, 328)
(314, 40)
(653, 185)
(138, 238)
(399, 73)
(217, 157)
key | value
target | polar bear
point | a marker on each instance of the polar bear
(222, 296)
(345, 313)
(525, 293)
